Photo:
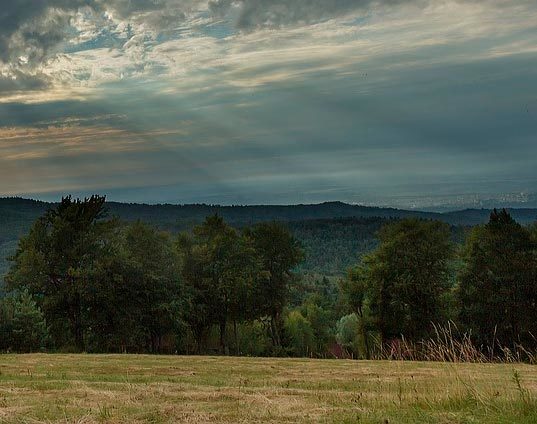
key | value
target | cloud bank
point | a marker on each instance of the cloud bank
(258, 101)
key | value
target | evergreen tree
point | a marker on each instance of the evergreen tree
(497, 289)
(22, 324)
(54, 260)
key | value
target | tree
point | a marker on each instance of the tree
(136, 296)
(321, 323)
(22, 324)
(151, 254)
(220, 267)
(279, 253)
(497, 289)
(54, 260)
(406, 278)
(353, 292)
(199, 314)
(300, 334)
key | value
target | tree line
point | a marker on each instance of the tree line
(418, 279)
(103, 286)
(81, 281)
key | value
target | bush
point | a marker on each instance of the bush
(348, 333)
(253, 339)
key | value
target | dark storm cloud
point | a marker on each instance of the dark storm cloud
(19, 82)
(32, 29)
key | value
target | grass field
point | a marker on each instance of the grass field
(168, 389)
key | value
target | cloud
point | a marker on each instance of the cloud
(31, 30)
(170, 96)
(16, 82)
(252, 14)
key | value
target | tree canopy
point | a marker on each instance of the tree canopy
(83, 281)
(497, 290)
(405, 279)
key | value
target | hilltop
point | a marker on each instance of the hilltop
(333, 233)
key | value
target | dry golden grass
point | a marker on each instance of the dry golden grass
(168, 389)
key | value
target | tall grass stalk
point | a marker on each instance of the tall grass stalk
(450, 345)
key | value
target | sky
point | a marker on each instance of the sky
(382, 102)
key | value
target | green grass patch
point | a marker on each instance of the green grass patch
(169, 389)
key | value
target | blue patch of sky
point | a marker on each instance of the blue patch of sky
(105, 39)
(218, 30)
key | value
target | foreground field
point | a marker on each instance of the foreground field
(155, 389)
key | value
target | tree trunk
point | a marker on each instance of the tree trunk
(199, 341)
(235, 333)
(76, 323)
(364, 334)
(79, 337)
(275, 330)
(223, 337)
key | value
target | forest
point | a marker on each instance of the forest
(333, 234)
(83, 280)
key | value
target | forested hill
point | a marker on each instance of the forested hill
(333, 233)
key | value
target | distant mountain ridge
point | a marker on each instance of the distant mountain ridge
(239, 214)
(311, 222)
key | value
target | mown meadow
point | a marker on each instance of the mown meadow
(45, 388)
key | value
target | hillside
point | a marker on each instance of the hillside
(333, 234)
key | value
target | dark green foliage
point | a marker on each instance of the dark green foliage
(221, 269)
(108, 286)
(498, 283)
(157, 289)
(279, 253)
(333, 234)
(101, 287)
(405, 280)
(22, 324)
(233, 277)
(199, 313)
(331, 246)
(135, 299)
(54, 262)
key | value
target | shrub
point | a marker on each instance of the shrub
(347, 333)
